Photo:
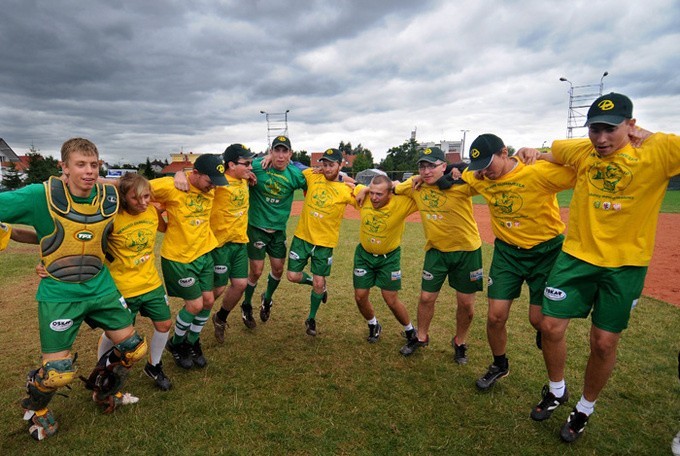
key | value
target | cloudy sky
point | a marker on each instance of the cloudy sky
(148, 78)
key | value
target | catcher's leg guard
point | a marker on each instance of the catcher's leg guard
(42, 423)
(132, 350)
(42, 383)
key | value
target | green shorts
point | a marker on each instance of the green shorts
(300, 253)
(511, 266)
(261, 243)
(153, 305)
(59, 321)
(381, 270)
(576, 287)
(464, 270)
(188, 280)
(231, 262)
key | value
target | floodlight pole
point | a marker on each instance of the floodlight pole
(462, 144)
(277, 124)
(580, 99)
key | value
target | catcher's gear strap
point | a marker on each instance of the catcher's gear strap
(57, 373)
(132, 350)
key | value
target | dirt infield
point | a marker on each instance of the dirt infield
(663, 277)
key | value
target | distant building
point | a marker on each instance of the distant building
(180, 162)
(452, 149)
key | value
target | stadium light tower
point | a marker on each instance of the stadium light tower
(580, 99)
(462, 144)
(277, 124)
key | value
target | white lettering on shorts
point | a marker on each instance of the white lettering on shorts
(61, 325)
(476, 275)
(293, 256)
(635, 302)
(395, 275)
(220, 269)
(259, 245)
(122, 302)
(554, 294)
(359, 272)
(489, 282)
(330, 261)
(186, 282)
(427, 275)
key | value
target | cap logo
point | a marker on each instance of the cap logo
(329, 152)
(220, 168)
(606, 105)
(474, 153)
(427, 151)
(281, 138)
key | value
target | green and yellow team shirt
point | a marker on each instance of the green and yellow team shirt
(131, 257)
(382, 229)
(323, 210)
(229, 215)
(188, 235)
(522, 203)
(615, 207)
(446, 215)
(28, 206)
(272, 197)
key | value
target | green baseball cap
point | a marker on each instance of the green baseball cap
(610, 109)
(432, 155)
(212, 166)
(333, 155)
(236, 151)
(483, 149)
(282, 141)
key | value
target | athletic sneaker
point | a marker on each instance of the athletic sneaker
(158, 376)
(374, 332)
(181, 353)
(310, 324)
(574, 427)
(197, 355)
(539, 340)
(265, 308)
(324, 297)
(548, 404)
(220, 328)
(459, 352)
(412, 345)
(494, 372)
(41, 423)
(247, 316)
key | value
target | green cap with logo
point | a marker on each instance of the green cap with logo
(432, 155)
(333, 155)
(212, 166)
(482, 151)
(281, 141)
(610, 109)
(236, 151)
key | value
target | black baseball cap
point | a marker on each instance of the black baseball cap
(235, 151)
(432, 155)
(610, 109)
(281, 141)
(333, 155)
(483, 149)
(212, 166)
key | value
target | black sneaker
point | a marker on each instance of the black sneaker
(548, 404)
(265, 308)
(324, 297)
(539, 340)
(310, 324)
(197, 355)
(220, 328)
(158, 376)
(459, 352)
(181, 353)
(412, 345)
(574, 427)
(374, 332)
(487, 380)
(247, 316)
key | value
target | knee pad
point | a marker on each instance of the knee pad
(42, 383)
(132, 349)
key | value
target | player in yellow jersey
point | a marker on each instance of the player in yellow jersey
(186, 254)
(525, 218)
(602, 267)
(318, 230)
(377, 257)
(453, 249)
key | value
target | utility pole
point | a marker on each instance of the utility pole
(462, 144)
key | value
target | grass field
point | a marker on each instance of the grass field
(275, 390)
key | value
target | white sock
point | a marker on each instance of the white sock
(373, 321)
(557, 388)
(105, 344)
(408, 327)
(585, 406)
(158, 342)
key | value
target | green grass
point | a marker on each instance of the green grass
(274, 390)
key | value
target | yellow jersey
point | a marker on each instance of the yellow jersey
(229, 216)
(382, 229)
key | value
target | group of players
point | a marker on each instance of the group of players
(230, 212)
